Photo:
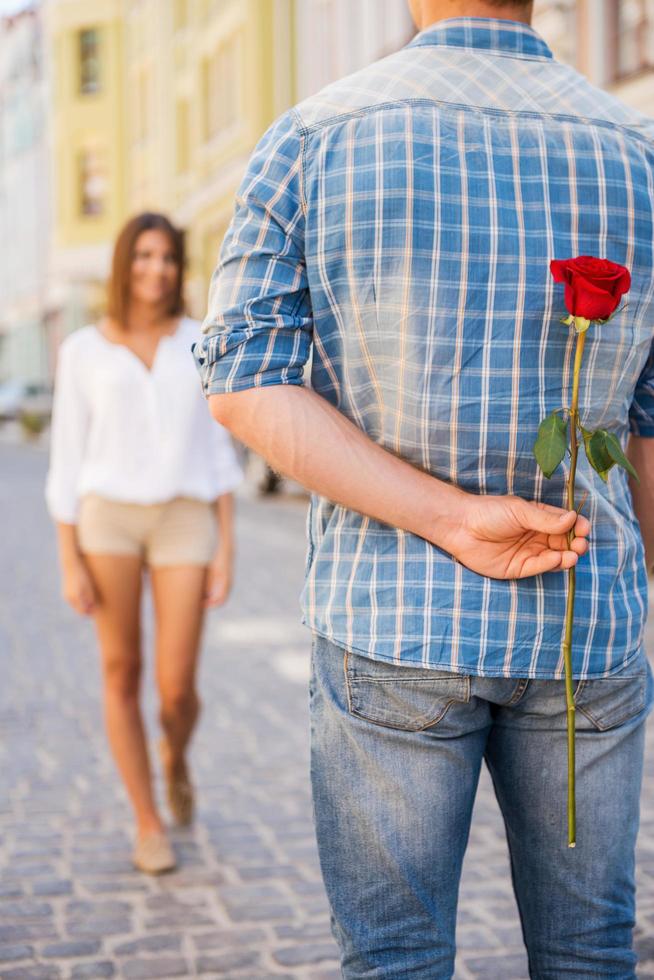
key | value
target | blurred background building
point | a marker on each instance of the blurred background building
(609, 41)
(108, 107)
(155, 106)
(25, 197)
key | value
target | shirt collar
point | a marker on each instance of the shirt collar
(504, 37)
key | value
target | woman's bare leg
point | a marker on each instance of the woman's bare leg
(178, 594)
(118, 581)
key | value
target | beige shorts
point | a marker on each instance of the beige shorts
(179, 532)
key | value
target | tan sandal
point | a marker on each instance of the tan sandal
(153, 854)
(179, 791)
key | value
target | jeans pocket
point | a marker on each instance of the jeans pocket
(611, 701)
(407, 698)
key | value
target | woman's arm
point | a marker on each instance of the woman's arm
(225, 515)
(68, 431)
(219, 577)
(69, 553)
(77, 585)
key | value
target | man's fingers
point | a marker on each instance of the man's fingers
(582, 527)
(568, 559)
(548, 561)
(559, 542)
(553, 520)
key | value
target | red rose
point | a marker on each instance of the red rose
(593, 287)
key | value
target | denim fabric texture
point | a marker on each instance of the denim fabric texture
(400, 224)
(396, 754)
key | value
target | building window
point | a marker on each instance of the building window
(93, 183)
(89, 61)
(182, 137)
(634, 25)
(221, 83)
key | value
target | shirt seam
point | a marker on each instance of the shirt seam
(309, 130)
(492, 52)
(302, 134)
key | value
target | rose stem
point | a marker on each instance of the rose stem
(570, 603)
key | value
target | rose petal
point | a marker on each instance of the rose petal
(559, 270)
(624, 283)
(582, 298)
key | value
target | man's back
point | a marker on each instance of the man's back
(403, 221)
(429, 193)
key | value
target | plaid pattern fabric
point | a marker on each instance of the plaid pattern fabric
(400, 224)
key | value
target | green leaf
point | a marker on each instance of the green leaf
(597, 452)
(551, 444)
(615, 452)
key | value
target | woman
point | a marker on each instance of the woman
(140, 478)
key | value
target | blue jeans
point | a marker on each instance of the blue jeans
(395, 760)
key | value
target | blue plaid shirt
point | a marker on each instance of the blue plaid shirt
(400, 224)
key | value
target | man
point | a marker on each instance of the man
(402, 221)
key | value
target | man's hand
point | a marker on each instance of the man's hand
(508, 537)
(304, 437)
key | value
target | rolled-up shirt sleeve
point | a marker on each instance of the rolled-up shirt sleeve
(69, 429)
(641, 414)
(259, 324)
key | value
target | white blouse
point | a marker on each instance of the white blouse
(132, 434)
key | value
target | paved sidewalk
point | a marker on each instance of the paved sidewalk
(247, 901)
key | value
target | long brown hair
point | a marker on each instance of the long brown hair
(121, 267)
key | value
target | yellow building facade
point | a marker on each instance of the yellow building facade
(206, 77)
(85, 53)
(156, 106)
(88, 141)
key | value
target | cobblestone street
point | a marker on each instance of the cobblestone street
(247, 900)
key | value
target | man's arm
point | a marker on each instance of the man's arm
(640, 450)
(304, 437)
